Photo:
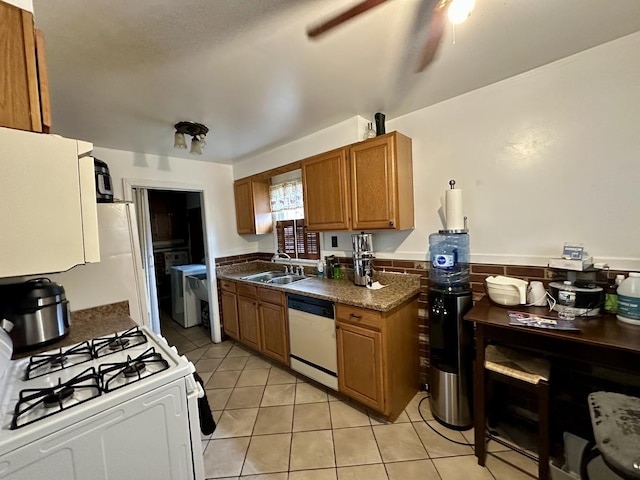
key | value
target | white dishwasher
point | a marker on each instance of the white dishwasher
(312, 337)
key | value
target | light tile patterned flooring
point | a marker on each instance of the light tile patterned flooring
(272, 425)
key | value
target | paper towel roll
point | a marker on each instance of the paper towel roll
(453, 209)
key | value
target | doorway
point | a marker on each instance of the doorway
(172, 235)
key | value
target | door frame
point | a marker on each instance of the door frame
(129, 184)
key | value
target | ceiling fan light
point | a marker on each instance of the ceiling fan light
(460, 10)
(179, 141)
(203, 143)
(195, 146)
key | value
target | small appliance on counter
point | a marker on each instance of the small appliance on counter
(104, 188)
(589, 298)
(362, 259)
(38, 312)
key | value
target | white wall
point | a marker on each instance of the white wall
(547, 157)
(214, 179)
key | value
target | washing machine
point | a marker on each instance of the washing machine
(183, 299)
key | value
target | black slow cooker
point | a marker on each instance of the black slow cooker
(589, 297)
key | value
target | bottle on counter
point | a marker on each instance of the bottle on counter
(629, 299)
(611, 297)
(320, 268)
(566, 301)
(337, 271)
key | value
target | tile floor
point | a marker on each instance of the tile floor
(272, 425)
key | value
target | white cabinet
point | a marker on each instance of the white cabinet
(48, 213)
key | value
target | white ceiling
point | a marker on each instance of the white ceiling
(123, 72)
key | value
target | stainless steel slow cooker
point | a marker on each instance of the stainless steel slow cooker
(39, 312)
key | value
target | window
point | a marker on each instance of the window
(287, 209)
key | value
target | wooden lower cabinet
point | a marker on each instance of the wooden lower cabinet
(256, 317)
(230, 314)
(378, 359)
(273, 329)
(248, 320)
(361, 380)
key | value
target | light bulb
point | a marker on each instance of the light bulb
(195, 146)
(460, 10)
(178, 141)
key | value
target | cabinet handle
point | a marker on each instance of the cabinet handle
(359, 317)
(391, 223)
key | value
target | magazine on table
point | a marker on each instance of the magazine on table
(523, 319)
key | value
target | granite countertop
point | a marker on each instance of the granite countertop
(86, 327)
(398, 288)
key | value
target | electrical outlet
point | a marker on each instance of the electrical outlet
(334, 241)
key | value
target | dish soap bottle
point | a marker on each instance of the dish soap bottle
(320, 269)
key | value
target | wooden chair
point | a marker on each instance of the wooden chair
(529, 374)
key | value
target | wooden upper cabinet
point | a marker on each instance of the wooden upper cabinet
(22, 69)
(253, 206)
(381, 171)
(326, 191)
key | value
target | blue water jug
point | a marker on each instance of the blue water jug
(449, 259)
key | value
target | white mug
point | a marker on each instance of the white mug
(537, 295)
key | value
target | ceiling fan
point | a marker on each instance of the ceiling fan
(435, 12)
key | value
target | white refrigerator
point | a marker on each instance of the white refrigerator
(119, 275)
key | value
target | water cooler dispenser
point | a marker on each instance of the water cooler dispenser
(450, 338)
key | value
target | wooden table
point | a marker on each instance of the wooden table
(603, 340)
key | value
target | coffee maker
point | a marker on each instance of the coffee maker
(362, 258)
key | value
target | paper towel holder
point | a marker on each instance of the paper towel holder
(461, 230)
(452, 184)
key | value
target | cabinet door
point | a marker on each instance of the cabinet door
(19, 94)
(373, 188)
(248, 321)
(44, 208)
(230, 314)
(253, 206)
(326, 191)
(359, 378)
(273, 329)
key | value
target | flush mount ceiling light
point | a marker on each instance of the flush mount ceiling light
(196, 131)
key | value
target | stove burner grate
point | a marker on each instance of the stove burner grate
(117, 342)
(57, 398)
(134, 369)
(34, 404)
(45, 363)
(121, 374)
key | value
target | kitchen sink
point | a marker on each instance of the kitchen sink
(264, 277)
(279, 278)
(286, 279)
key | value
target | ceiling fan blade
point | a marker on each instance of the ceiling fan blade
(343, 17)
(434, 34)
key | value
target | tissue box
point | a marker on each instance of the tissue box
(567, 264)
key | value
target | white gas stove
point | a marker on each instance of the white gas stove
(120, 407)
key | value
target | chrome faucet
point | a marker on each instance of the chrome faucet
(279, 254)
